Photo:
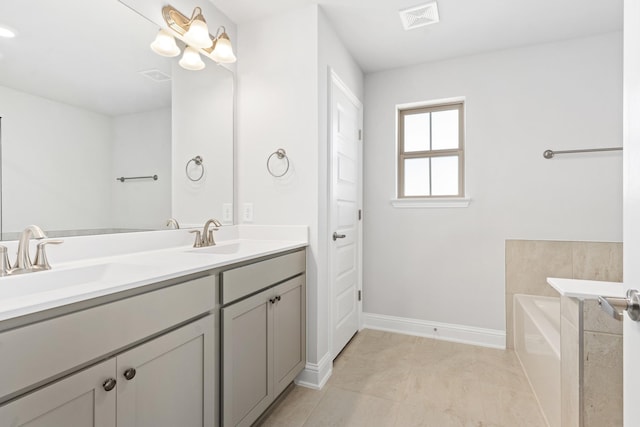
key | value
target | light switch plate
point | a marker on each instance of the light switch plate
(247, 212)
(227, 213)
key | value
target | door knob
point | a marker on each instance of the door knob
(337, 236)
(615, 306)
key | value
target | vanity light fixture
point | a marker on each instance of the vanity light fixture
(222, 49)
(165, 44)
(191, 59)
(195, 34)
(198, 33)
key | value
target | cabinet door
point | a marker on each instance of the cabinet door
(247, 374)
(289, 332)
(76, 401)
(173, 381)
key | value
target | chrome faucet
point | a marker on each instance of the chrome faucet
(207, 232)
(205, 238)
(23, 260)
(173, 223)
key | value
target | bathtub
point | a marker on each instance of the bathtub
(537, 345)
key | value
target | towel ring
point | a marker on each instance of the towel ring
(281, 154)
(198, 160)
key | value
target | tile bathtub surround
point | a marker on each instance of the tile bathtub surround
(570, 362)
(603, 375)
(528, 263)
(386, 379)
(591, 382)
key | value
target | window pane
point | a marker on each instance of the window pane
(416, 177)
(444, 132)
(444, 171)
(416, 132)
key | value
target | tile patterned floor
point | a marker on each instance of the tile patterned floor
(392, 380)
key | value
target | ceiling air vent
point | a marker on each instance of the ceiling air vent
(156, 75)
(419, 16)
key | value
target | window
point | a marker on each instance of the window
(431, 151)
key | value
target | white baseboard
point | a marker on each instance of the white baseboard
(441, 331)
(316, 375)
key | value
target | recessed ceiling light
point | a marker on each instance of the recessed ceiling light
(7, 32)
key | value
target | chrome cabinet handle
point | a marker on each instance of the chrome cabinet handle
(129, 373)
(109, 384)
(615, 306)
(278, 298)
(272, 300)
(337, 236)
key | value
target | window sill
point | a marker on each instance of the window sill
(454, 202)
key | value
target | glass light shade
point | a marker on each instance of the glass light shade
(198, 34)
(165, 44)
(222, 50)
(191, 60)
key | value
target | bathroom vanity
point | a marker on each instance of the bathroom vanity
(177, 336)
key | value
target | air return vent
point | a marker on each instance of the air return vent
(419, 16)
(156, 75)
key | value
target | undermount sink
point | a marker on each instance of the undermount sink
(61, 281)
(238, 247)
(230, 248)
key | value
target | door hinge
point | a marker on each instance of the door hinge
(359, 134)
(360, 214)
(359, 295)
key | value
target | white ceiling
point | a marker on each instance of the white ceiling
(90, 53)
(372, 30)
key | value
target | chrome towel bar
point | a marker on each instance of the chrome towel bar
(548, 154)
(127, 178)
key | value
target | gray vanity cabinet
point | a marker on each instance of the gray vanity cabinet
(163, 382)
(78, 400)
(159, 383)
(246, 345)
(144, 360)
(289, 333)
(263, 338)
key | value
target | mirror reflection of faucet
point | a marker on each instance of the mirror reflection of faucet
(23, 258)
(172, 223)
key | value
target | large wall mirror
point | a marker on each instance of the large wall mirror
(84, 101)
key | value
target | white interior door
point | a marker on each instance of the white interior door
(631, 204)
(345, 214)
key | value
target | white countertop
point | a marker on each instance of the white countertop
(586, 289)
(82, 280)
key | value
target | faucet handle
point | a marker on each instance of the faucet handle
(5, 266)
(210, 240)
(198, 241)
(41, 261)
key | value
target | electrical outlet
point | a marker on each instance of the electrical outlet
(227, 213)
(247, 212)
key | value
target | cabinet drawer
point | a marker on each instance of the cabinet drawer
(34, 353)
(242, 281)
